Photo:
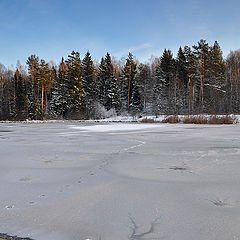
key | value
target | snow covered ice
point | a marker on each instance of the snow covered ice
(119, 181)
(114, 127)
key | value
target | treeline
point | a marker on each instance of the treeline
(198, 80)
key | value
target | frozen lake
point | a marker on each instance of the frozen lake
(116, 181)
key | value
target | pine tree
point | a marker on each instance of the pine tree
(182, 67)
(181, 81)
(164, 78)
(75, 85)
(217, 64)
(34, 106)
(101, 83)
(129, 86)
(111, 86)
(20, 96)
(60, 93)
(89, 84)
(202, 53)
(191, 64)
(46, 80)
(166, 68)
(216, 82)
(145, 82)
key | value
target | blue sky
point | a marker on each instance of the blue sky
(53, 28)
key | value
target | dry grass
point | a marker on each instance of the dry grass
(171, 119)
(146, 120)
(195, 120)
(222, 120)
(226, 119)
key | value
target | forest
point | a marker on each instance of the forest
(198, 80)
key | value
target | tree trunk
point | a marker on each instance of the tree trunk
(42, 95)
(203, 75)
(129, 87)
(191, 95)
(46, 102)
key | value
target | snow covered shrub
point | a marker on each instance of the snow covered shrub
(100, 112)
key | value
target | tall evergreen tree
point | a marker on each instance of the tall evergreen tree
(60, 93)
(76, 94)
(182, 67)
(164, 76)
(101, 82)
(165, 70)
(45, 82)
(130, 92)
(202, 53)
(193, 77)
(111, 86)
(89, 84)
(20, 96)
(33, 70)
(216, 82)
(145, 82)
(217, 64)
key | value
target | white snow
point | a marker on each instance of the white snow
(119, 181)
(116, 127)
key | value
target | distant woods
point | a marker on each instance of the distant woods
(198, 80)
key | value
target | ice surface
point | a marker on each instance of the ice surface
(119, 181)
(116, 127)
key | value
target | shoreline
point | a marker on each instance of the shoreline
(4, 236)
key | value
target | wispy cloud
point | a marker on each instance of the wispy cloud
(132, 49)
